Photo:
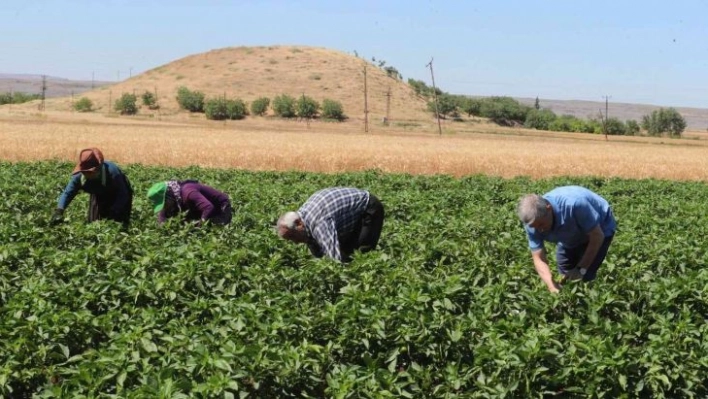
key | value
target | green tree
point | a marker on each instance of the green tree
(307, 107)
(664, 120)
(192, 101)
(215, 109)
(471, 106)
(236, 109)
(284, 106)
(84, 104)
(220, 108)
(539, 119)
(260, 105)
(333, 110)
(447, 106)
(615, 127)
(393, 73)
(127, 104)
(149, 100)
(504, 110)
(633, 128)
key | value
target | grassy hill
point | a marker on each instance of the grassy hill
(252, 72)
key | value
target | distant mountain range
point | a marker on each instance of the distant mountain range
(56, 87)
(696, 118)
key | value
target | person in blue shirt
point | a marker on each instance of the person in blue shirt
(579, 221)
(334, 222)
(111, 192)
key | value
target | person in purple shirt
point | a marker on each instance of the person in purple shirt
(582, 224)
(197, 202)
(111, 193)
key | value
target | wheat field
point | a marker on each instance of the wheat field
(259, 144)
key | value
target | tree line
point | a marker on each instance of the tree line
(507, 111)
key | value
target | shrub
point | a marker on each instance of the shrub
(615, 127)
(192, 101)
(284, 106)
(127, 104)
(471, 106)
(260, 106)
(504, 110)
(5, 98)
(220, 109)
(84, 104)
(539, 119)
(633, 128)
(17, 98)
(236, 109)
(307, 107)
(215, 109)
(149, 100)
(333, 110)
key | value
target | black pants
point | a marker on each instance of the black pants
(101, 208)
(224, 217)
(366, 234)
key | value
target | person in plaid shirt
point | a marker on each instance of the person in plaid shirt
(335, 222)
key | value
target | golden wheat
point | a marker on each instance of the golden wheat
(258, 144)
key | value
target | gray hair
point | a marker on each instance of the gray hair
(532, 207)
(288, 220)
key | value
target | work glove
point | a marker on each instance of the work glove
(57, 217)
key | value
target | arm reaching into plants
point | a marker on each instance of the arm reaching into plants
(544, 271)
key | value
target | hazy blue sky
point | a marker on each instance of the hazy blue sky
(650, 51)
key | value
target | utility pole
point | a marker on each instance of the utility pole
(606, 115)
(44, 92)
(131, 72)
(92, 79)
(435, 95)
(388, 106)
(366, 104)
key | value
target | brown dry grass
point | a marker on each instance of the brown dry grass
(259, 144)
(252, 72)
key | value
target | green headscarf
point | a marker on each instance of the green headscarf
(156, 194)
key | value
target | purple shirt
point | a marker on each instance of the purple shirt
(199, 201)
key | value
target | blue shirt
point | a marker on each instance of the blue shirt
(110, 183)
(330, 214)
(576, 211)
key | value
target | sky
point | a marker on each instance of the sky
(648, 52)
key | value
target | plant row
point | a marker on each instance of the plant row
(448, 306)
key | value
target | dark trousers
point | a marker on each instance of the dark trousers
(101, 208)
(367, 232)
(568, 258)
(224, 217)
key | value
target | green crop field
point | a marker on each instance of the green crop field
(449, 306)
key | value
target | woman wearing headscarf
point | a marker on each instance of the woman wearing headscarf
(198, 202)
(110, 190)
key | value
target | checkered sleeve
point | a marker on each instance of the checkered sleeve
(326, 236)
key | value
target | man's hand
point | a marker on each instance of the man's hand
(574, 274)
(57, 217)
(556, 288)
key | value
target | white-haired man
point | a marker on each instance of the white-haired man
(579, 220)
(335, 222)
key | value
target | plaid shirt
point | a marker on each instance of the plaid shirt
(330, 214)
